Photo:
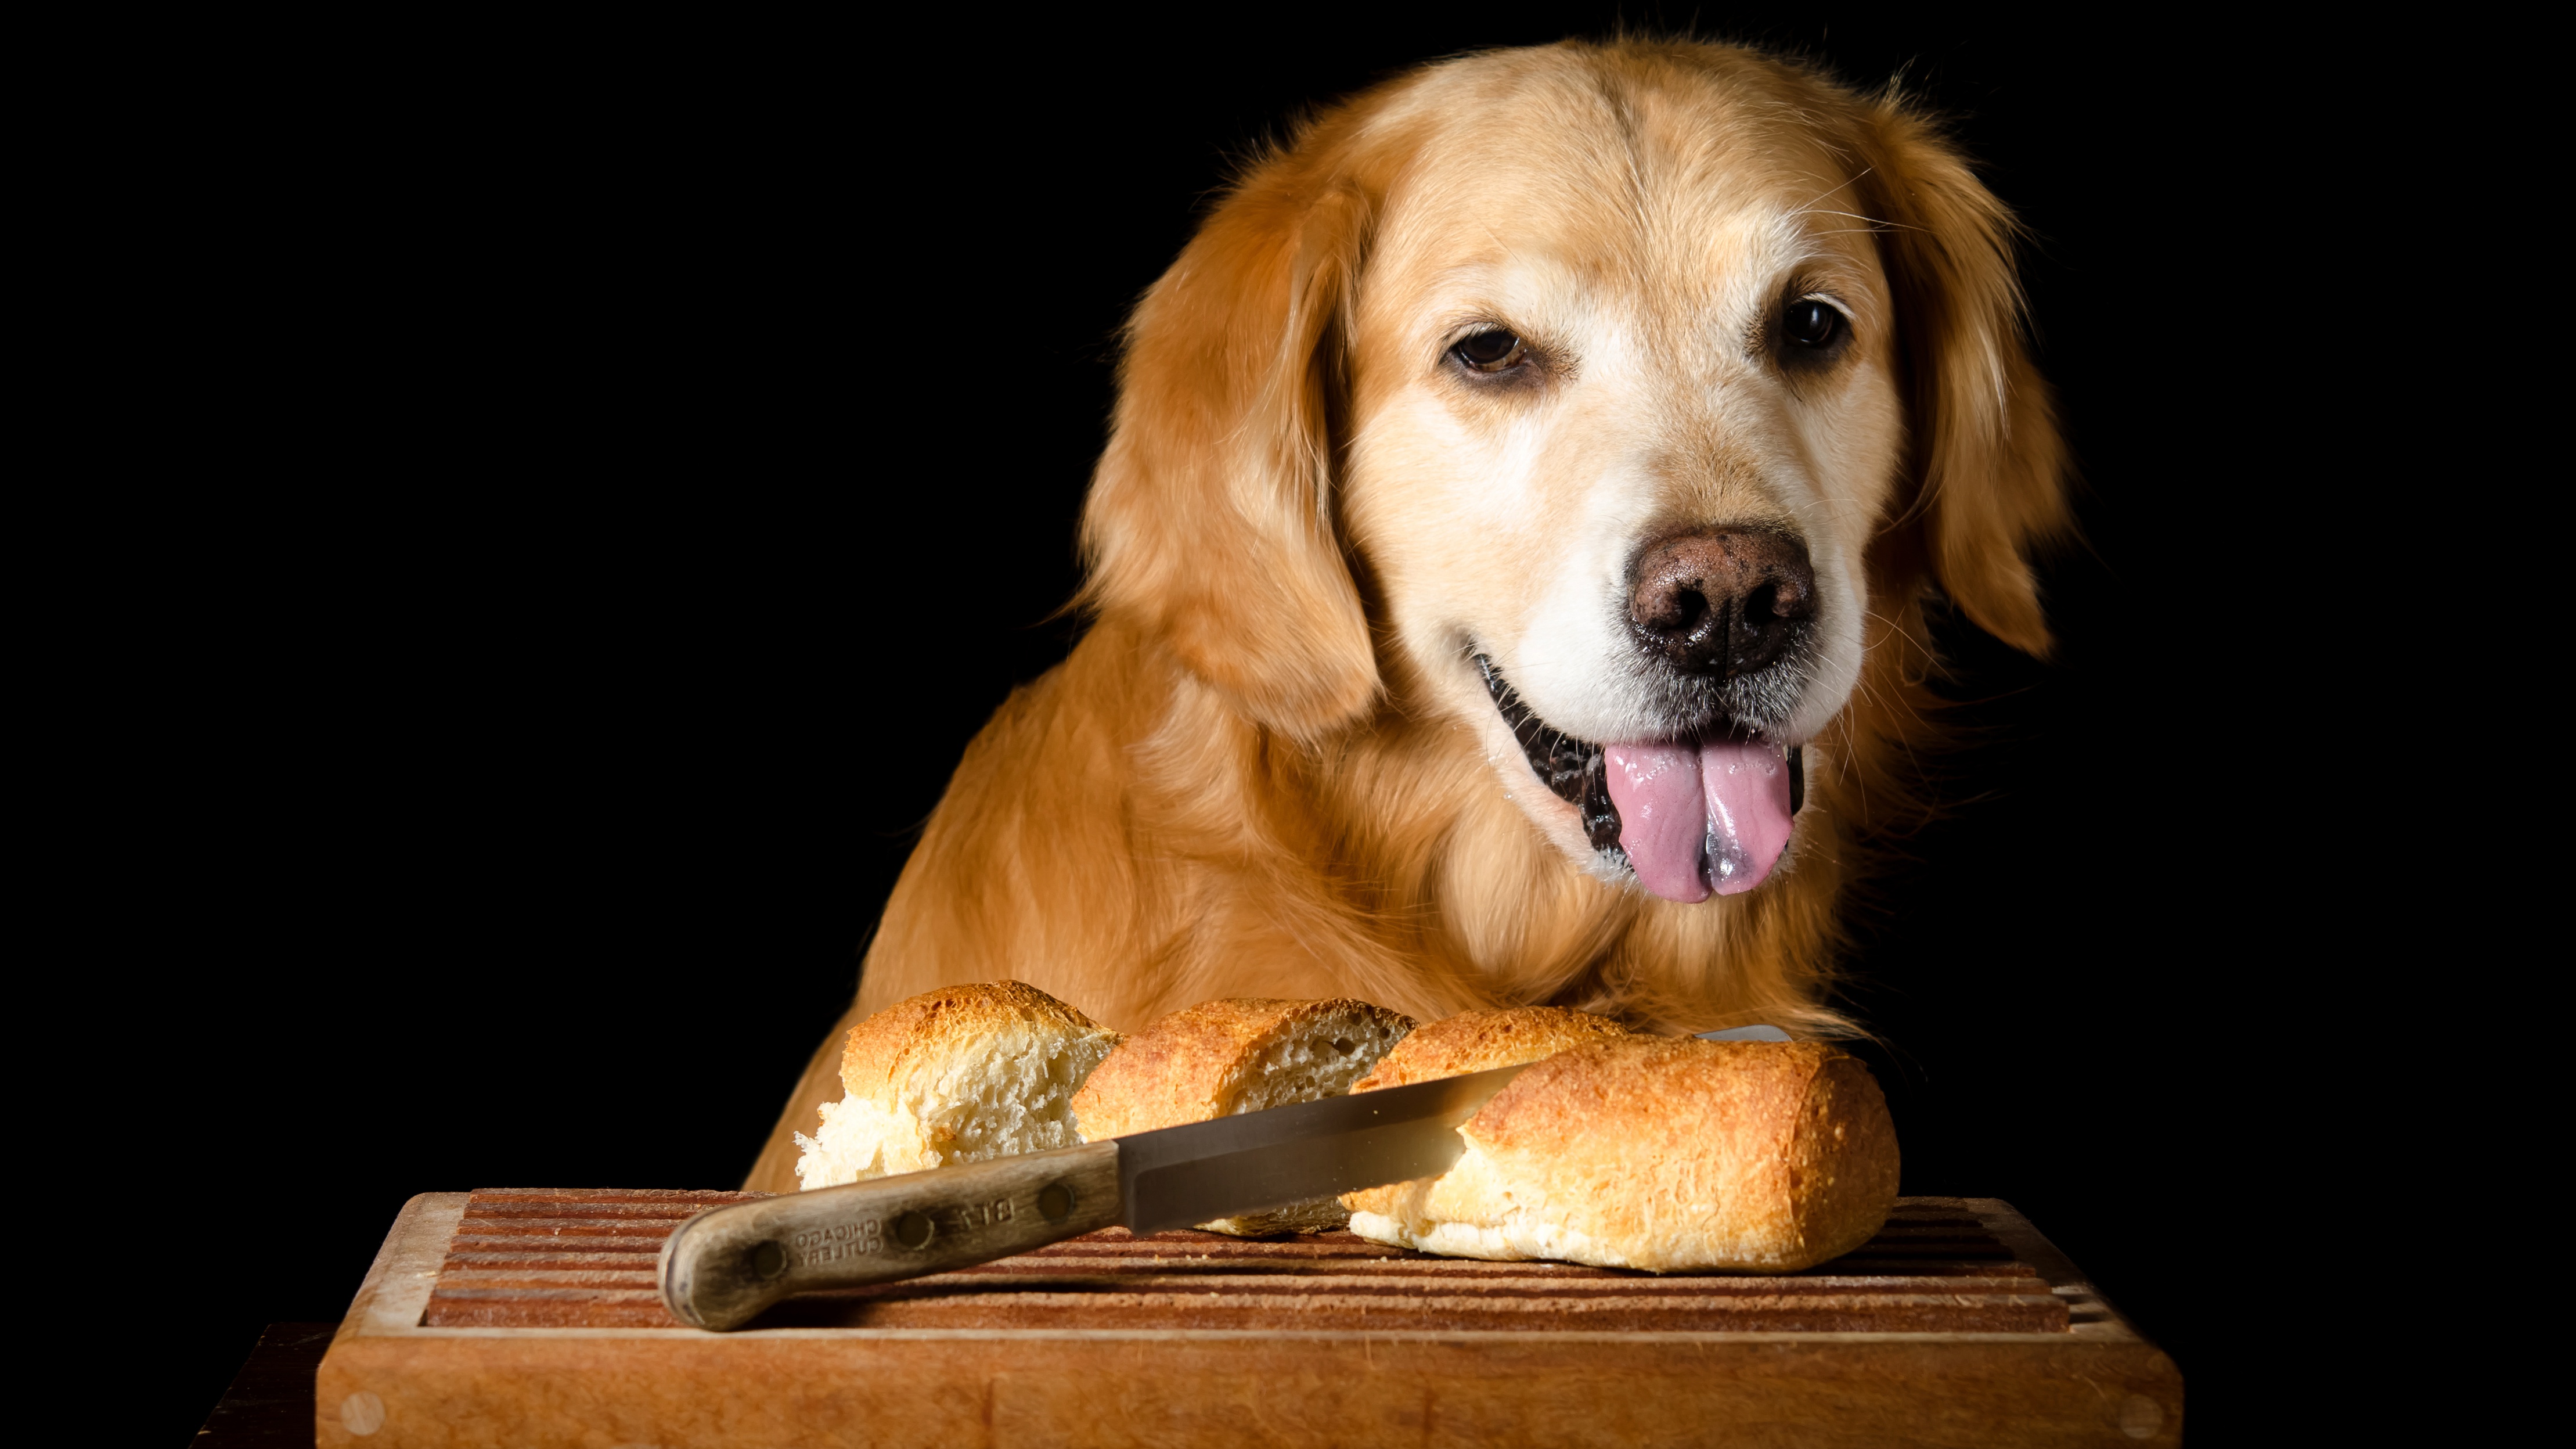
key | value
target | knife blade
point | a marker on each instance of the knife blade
(720, 1268)
(1747, 1033)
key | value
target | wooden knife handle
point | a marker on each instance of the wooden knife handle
(725, 1265)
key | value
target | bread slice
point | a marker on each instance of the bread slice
(960, 1074)
(1242, 1054)
(1672, 1155)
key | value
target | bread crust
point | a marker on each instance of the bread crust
(1479, 1041)
(886, 1049)
(1195, 1064)
(1672, 1155)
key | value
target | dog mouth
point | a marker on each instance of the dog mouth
(1690, 818)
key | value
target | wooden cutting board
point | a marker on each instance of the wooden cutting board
(529, 1317)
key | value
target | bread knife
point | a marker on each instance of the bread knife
(722, 1267)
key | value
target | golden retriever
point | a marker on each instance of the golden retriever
(1506, 570)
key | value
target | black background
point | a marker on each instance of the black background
(615, 473)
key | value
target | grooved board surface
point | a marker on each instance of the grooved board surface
(524, 1258)
(529, 1318)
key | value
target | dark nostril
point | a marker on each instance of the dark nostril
(1762, 605)
(1671, 609)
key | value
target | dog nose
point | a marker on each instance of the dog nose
(1723, 601)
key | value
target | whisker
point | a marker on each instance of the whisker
(1807, 205)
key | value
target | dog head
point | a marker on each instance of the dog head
(1585, 395)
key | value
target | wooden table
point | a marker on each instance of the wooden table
(529, 1317)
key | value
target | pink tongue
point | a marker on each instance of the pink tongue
(1663, 816)
(1693, 817)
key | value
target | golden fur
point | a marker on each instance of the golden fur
(1266, 770)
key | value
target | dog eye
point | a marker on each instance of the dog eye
(1810, 323)
(1493, 350)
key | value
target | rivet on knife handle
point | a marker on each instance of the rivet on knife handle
(724, 1266)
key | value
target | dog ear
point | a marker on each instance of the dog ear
(1988, 467)
(1209, 523)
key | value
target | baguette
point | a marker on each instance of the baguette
(1671, 1155)
(1241, 1054)
(961, 1074)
